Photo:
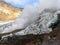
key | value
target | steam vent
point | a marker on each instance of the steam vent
(8, 12)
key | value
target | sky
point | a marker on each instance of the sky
(22, 3)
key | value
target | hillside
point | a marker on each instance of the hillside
(8, 12)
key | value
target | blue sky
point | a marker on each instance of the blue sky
(22, 3)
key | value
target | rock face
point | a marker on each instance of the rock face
(46, 19)
(8, 12)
